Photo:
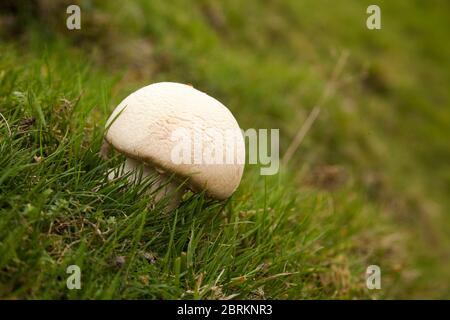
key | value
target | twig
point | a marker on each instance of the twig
(327, 92)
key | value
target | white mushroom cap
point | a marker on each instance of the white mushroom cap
(142, 128)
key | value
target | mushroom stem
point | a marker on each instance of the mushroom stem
(162, 188)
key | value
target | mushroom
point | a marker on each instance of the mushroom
(146, 128)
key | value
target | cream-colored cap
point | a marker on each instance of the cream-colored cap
(146, 126)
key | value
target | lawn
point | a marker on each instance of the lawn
(368, 184)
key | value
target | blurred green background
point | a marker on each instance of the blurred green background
(372, 173)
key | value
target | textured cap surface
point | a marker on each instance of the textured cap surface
(142, 127)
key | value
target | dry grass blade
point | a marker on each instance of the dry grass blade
(7, 124)
(327, 92)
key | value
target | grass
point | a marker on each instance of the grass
(369, 184)
(59, 209)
